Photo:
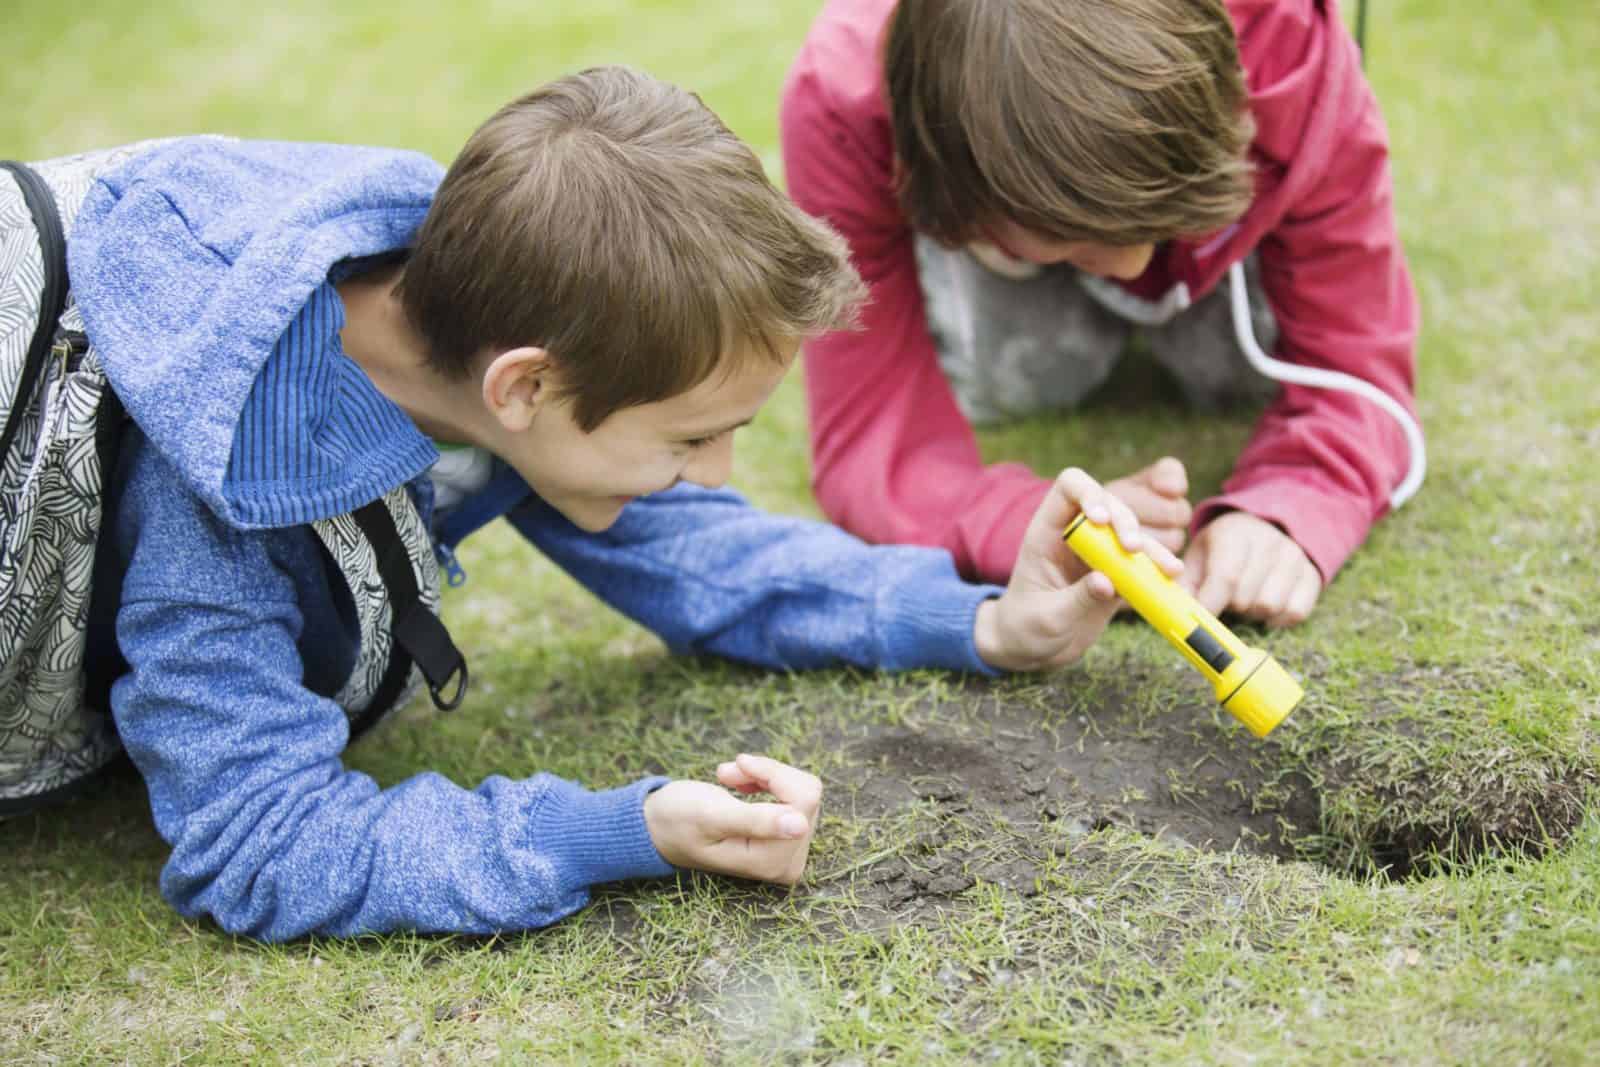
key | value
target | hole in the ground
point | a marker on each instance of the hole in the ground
(1170, 775)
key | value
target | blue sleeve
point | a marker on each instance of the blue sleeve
(710, 573)
(270, 833)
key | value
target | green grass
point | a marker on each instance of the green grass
(1454, 666)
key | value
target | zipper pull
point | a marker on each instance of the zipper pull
(68, 349)
(454, 574)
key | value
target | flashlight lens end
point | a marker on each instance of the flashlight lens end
(1265, 698)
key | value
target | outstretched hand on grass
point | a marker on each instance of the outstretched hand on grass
(1055, 607)
(706, 828)
(1248, 566)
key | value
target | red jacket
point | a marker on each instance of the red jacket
(894, 460)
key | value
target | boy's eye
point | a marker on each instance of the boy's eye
(701, 442)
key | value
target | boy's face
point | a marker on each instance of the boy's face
(1124, 262)
(590, 477)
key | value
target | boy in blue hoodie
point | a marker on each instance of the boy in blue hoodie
(598, 293)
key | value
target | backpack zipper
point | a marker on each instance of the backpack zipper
(69, 348)
(52, 298)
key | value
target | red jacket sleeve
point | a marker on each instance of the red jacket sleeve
(893, 458)
(1321, 463)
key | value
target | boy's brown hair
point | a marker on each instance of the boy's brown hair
(1114, 121)
(613, 220)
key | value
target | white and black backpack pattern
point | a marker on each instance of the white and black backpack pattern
(61, 424)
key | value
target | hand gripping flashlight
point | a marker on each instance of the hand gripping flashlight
(1249, 683)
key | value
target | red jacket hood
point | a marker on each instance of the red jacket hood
(1300, 79)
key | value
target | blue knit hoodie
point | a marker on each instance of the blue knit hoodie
(202, 268)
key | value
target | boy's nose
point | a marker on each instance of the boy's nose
(1111, 261)
(711, 465)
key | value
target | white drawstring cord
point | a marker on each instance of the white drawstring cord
(1295, 374)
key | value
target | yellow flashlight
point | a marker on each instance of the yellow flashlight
(1249, 683)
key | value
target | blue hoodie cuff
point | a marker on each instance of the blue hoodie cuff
(599, 836)
(935, 629)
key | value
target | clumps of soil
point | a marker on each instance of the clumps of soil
(926, 874)
(1432, 817)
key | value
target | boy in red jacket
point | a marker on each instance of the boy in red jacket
(1025, 182)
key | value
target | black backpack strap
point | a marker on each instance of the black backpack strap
(53, 245)
(419, 636)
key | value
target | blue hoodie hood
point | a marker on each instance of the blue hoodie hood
(191, 262)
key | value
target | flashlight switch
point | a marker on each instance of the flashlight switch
(1209, 649)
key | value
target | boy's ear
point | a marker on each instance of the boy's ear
(516, 384)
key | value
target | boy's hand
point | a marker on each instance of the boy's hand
(1159, 498)
(1244, 564)
(704, 827)
(1053, 610)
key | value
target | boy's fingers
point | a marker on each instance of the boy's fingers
(1194, 567)
(1170, 537)
(1125, 523)
(1167, 475)
(1076, 486)
(1301, 600)
(1072, 491)
(789, 784)
(1254, 573)
(1154, 508)
(1099, 587)
(1273, 597)
(730, 775)
(1081, 607)
(1224, 561)
(1088, 606)
(1163, 556)
(764, 822)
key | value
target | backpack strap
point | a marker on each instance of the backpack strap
(419, 636)
(53, 300)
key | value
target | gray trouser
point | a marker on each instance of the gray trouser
(1012, 347)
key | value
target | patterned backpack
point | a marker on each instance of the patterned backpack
(62, 423)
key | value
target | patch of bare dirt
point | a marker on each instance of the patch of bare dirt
(1048, 784)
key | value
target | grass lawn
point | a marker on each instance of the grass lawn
(1094, 867)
